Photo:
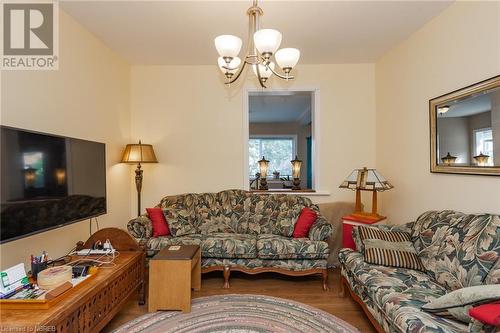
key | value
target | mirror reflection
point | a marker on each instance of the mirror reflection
(468, 131)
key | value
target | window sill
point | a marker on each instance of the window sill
(293, 192)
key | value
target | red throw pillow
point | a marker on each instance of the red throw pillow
(487, 313)
(306, 219)
(160, 225)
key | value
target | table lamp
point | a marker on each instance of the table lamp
(366, 180)
(296, 164)
(139, 153)
(263, 165)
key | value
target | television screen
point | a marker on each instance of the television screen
(48, 181)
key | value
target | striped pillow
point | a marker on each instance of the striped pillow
(389, 248)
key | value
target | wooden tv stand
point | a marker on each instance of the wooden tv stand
(90, 307)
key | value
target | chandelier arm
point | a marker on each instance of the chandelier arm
(252, 56)
(235, 77)
(279, 75)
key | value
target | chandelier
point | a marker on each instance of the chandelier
(262, 45)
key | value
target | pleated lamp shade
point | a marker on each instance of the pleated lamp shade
(139, 153)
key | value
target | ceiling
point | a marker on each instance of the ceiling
(182, 32)
(280, 107)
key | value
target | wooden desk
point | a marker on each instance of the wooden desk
(172, 274)
(87, 308)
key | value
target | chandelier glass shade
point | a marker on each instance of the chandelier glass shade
(262, 45)
(265, 71)
(230, 68)
(228, 46)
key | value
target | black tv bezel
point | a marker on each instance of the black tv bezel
(69, 222)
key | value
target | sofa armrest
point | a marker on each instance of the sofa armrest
(321, 230)
(141, 227)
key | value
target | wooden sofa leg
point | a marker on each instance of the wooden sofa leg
(227, 272)
(324, 274)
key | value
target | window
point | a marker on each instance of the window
(281, 126)
(279, 151)
(483, 143)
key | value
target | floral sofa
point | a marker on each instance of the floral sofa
(456, 250)
(240, 230)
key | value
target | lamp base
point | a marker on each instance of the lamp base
(296, 184)
(263, 184)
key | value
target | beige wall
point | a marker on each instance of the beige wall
(196, 126)
(88, 97)
(459, 47)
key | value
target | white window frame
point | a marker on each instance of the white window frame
(315, 133)
(474, 140)
(277, 136)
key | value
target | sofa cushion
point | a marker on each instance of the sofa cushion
(389, 248)
(460, 301)
(158, 243)
(456, 249)
(278, 247)
(487, 313)
(397, 294)
(180, 212)
(223, 212)
(276, 213)
(228, 245)
(304, 223)
(160, 225)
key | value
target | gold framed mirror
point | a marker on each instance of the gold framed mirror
(465, 130)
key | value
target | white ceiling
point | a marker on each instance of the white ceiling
(182, 32)
(275, 107)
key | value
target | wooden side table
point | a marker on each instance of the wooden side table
(172, 274)
(348, 222)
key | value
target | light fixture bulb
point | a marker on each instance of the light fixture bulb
(231, 68)
(228, 46)
(443, 109)
(265, 72)
(267, 41)
(287, 58)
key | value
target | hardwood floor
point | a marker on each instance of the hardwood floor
(306, 290)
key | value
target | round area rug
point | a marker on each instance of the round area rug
(239, 314)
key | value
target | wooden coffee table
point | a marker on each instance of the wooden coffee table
(172, 274)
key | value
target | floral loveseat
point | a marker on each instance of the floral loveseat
(456, 250)
(240, 230)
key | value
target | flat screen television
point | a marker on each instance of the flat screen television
(48, 181)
